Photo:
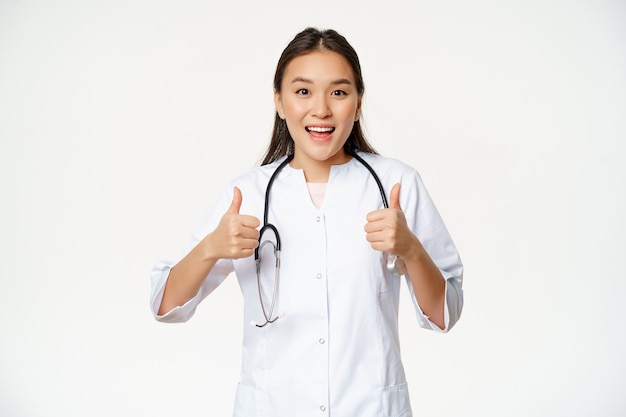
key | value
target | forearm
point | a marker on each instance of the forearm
(428, 283)
(186, 277)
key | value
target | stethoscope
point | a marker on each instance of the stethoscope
(394, 264)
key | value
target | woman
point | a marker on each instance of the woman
(323, 337)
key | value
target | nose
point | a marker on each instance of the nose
(321, 107)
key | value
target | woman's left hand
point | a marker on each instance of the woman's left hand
(387, 230)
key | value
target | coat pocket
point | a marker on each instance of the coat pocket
(249, 402)
(396, 401)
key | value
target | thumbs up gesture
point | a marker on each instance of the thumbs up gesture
(387, 230)
(236, 235)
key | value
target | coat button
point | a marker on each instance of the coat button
(317, 219)
(322, 408)
(322, 341)
(318, 276)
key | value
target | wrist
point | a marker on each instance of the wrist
(415, 252)
(209, 249)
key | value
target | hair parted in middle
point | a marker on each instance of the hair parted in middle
(310, 40)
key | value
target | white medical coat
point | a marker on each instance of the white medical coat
(336, 351)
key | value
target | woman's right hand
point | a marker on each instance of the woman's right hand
(236, 236)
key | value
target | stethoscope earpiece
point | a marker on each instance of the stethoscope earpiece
(279, 315)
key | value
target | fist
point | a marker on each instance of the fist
(387, 230)
(236, 236)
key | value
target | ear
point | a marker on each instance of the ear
(278, 103)
(357, 114)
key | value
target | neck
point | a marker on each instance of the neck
(317, 174)
(318, 171)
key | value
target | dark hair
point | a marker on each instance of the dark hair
(307, 41)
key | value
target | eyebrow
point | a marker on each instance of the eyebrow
(307, 81)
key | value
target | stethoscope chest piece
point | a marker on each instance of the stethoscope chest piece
(396, 265)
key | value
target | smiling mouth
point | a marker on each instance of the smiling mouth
(317, 129)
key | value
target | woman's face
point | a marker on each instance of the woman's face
(320, 103)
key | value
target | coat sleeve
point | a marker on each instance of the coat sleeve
(218, 274)
(426, 223)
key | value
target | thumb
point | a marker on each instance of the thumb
(394, 197)
(236, 203)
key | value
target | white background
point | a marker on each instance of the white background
(121, 120)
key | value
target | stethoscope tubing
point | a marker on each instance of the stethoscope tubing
(371, 170)
(392, 264)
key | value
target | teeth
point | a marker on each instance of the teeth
(320, 129)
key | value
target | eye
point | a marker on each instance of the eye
(339, 93)
(302, 92)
